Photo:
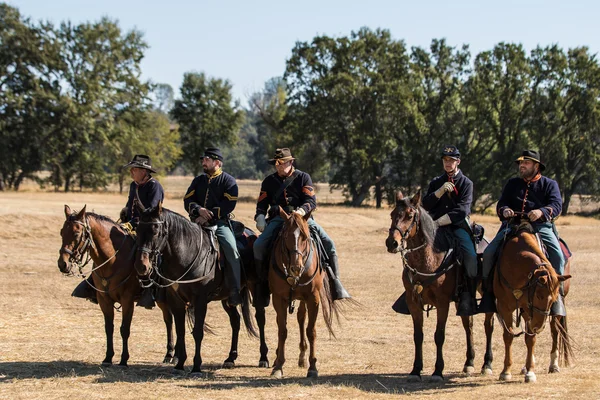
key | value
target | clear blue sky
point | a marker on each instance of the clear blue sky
(248, 42)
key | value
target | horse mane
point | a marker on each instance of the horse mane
(301, 223)
(427, 226)
(102, 218)
(178, 224)
(531, 241)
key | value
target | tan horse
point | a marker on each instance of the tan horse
(114, 277)
(296, 274)
(428, 283)
(526, 282)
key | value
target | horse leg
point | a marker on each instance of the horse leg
(264, 350)
(486, 369)
(127, 313)
(530, 363)
(467, 322)
(168, 319)
(303, 345)
(440, 338)
(280, 305)
(311, 333)
(106, 305)
(507, 335)
(554, 352)
(200, 307)
(417, 316)
(234, 321)
(180, 352)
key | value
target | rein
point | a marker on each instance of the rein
(155, 254)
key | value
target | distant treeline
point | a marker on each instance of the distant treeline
(358, 112)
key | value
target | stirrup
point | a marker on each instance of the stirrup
(338, 292)
(466, 305)
(487, 303)
(235, 299)
(400, 306)
(146, 299)
(558, 308)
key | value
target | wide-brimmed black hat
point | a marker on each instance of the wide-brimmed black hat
(213, 153)
(140, 161)
(282, 155)
(450, 151)
(533, 156)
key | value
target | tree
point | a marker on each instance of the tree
(164, 97)
(206, 117)
(349, 95)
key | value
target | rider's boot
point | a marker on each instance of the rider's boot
(85, 290)
(337, 289)
(400, 306)
(488, 300)
(467, 305)
(234, 276)
(262, 294)
(147, 297)
(558, 307)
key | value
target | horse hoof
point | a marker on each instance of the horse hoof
(524, 371)
(175, 360)
(123, 365)
(530, 377)
(313, 374)
(228, 364)
(436, 378)
(179, 372)
(106, 364)
(468, 369)
(263, 364)
(414, 378)
(167, 360)
(553, 369)
(277, 373)
(486, 371)
(505, 377)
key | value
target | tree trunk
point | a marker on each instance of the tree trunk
(378, 194)
(566, 202)
(67, 183)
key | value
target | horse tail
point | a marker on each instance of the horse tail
(565, 345)
(192, 321)
(248, 321)
(328, 306)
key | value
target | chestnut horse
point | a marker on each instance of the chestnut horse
(526, 282)
(429, 283)
(115, 280)
(296, 274)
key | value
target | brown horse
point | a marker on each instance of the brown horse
(526, 282)
(296, 274)
(114, 277)
(429, 281)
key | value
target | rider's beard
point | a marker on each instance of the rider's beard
(527, 173)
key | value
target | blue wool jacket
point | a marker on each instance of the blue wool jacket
(151, 193)
(299, 194)
(457, 204)
(218, 193)
(524, 196)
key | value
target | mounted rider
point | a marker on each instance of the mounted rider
(539, 198)
(209, 200)
(292, 190)
(150, 192)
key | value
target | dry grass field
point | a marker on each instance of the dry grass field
(51, 344)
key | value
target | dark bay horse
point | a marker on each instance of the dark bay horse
(526, 282)
(429, 282)
(295, 273)
(186, 257)
(114, 277)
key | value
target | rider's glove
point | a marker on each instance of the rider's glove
(446, 187)
(261, 222)
(443, 220)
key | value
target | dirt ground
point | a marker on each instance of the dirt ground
(51, 345)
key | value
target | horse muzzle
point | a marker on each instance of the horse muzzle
(143, 264)
(66, 267)
(392, 245)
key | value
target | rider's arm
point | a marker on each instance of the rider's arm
(229, 199)
(262, 205)
(503, 203)
(190, 195)
(463, 202)
(309, 199)
(129, 204)
(156, 194)
(553, 206)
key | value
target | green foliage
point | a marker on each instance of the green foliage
(206, 117)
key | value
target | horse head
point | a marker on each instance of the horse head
(74, 234)
(150, 238)
(295, 243)
(405, 221)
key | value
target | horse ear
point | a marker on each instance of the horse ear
(81, 214)
(68, 211)
(416, 199)
(283, 214)
(399, 196)
(562, 278)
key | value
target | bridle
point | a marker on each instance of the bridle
(84, 243)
